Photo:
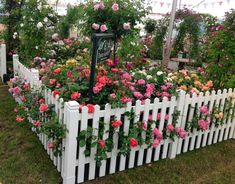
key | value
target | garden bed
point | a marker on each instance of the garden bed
(142, 137)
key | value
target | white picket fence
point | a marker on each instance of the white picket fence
(75, 167)
(31, 75)
(3, 65)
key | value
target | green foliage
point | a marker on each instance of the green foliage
(219, 52)
(150, 25)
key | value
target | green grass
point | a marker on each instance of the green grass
(24, 161)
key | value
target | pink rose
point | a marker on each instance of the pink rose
(133, 143)
(183, 134)
(52, 81)
(113, 95)
(204, 110)
(95, 26)
(164, 88)
(127, 26)
(50, 145)
(19, 119)
(145, 125)
(101, 143)
(101, 6)
(16, 91)
(96, 6)
(75, 96)
(204, 124)
(103, 28)
(37, 124)
(155, 143)
(44, 107)
(115, 7)
(116, 124)
(141, 82)
(138, 95)
(170, 127)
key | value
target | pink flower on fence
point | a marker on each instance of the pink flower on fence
(181, 132)
(157, 133)
(133, 142)
(116, 124)
(101, 143)
(204, 124)
(145, 125)
(44, 107)
(125, 99)
(55, 92)
(19, 119)
(138, 95)
(103, 28)
(113, 95)
(50, 145)
(42, 100)
(156, 142)
(16, 91)
(204, 110)
(159, 117)
(37, 124)
(115, 7)
(164, 88)
(170, 127)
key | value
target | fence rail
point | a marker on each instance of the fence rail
(76, 167)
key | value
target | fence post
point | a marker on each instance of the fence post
(180, 108)
(3, 61)
(15, 63)
(71, 117)
(35, 77)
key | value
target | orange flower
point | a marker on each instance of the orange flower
(184, 88)
(209, 84)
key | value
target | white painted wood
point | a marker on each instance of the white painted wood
(179, 107)
(222, 98)
(3, 64)
(211, 106)
(126, 132)
(71, 121)
(145, 118)
(95, 126)
(133, 151)
(154, 115)
(199, 100)
(105, 136)
(114, 153)
(213, 128)
(191, 113)
(199, 138)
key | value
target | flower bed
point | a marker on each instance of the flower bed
(102, 140)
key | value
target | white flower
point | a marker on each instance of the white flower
(159, 73)
(170, 74)
(39, 25)
(15, 33)
(149, 77)
(21, 25)
(36, 47)
(169, 79)
(45, 19)
(14, 36)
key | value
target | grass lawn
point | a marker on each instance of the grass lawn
(24, 161)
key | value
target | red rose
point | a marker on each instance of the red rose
(75, 96)
(43, 107)
(116, 124)
(91, 108)
(133, 142)
(115, 70)
(56, 93)
(101, 143)
(57, 71)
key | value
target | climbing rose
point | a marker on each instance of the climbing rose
(204, 124)
(170, 127)
(183, 134)
(116, 124)
(57, 71)
(115, 7)
(101, 143)
(43, 107)
(133, 143)
(56, 93)
(155, 143)
(50, 145)
(204, 110)
(91, 108)
(37, 123)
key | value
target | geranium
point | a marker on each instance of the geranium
(133, 142)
